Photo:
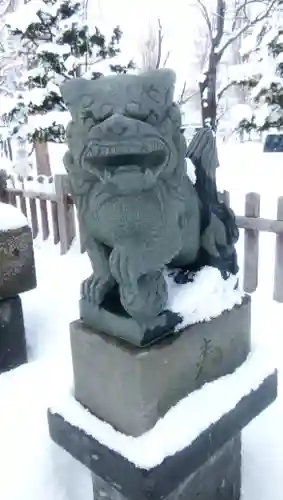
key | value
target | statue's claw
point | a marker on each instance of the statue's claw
(94, 288)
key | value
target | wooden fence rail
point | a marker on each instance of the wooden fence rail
(53, 215)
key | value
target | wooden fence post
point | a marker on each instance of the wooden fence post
(251, 244)
(4, 195)
(42, 158)
(66, 214)
(224, 197)
(44, 219)
(34, 219)
(55, 225)
(278, 269)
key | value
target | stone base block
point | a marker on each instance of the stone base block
(206, 468)
(112, 320)
(218, 479)
(12, 334)
(16, 262)
(131, 388)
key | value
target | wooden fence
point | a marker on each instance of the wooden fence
(53, 215)
(51, 212)
(253, 224)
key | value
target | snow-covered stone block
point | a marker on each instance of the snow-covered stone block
(17, 268)
(132, 388)
(12, 334)
(193, 452)
(217, 479)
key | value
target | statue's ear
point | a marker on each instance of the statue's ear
(74, 90)
(159, 85)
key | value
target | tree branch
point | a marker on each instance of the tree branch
(206, 17)
(183, 99)
(223, 89)
(243, 7)
(241, 31)
(166, 59)
(159, 44)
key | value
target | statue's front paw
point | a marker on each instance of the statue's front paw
(94, 288)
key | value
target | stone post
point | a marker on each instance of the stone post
(17, 275)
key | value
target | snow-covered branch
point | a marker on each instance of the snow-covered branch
(269, 6)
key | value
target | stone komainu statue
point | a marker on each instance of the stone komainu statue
(138, 210)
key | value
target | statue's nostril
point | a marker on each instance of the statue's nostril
(118, 128)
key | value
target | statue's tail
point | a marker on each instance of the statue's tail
(219, 231)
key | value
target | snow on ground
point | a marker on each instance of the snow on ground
(32, 467)
(245, 168)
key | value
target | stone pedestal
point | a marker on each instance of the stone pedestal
(12, 334)
(217, 479)
(132, 388)
(205, 468)
(17, 269)
(17, 275)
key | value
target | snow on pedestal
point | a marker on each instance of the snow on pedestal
(182, 424)
(146, 382)
(17, 268)
(206, 297)
(11, 218)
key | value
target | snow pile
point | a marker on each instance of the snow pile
(182, 424)
(241, 112)
(11, 218)
(43, 470)
(206, 297)
(48, 120)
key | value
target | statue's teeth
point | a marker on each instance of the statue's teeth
(120, 149)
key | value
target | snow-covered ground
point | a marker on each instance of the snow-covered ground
(32, 467)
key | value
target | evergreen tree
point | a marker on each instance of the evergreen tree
(58, 44)
(263, 69)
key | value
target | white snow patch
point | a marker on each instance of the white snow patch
(182, 424)
(241, 112)
(48, 120)
(11, 218)
(191, 170)
(54, 48)
(204, 298)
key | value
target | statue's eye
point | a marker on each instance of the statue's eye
(153, 118)
(95, 120)
(87, 115)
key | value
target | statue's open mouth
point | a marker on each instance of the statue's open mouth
(150, 154)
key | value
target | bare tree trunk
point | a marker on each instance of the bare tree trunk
(219, 45)
(42, 159)
(208, 94)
